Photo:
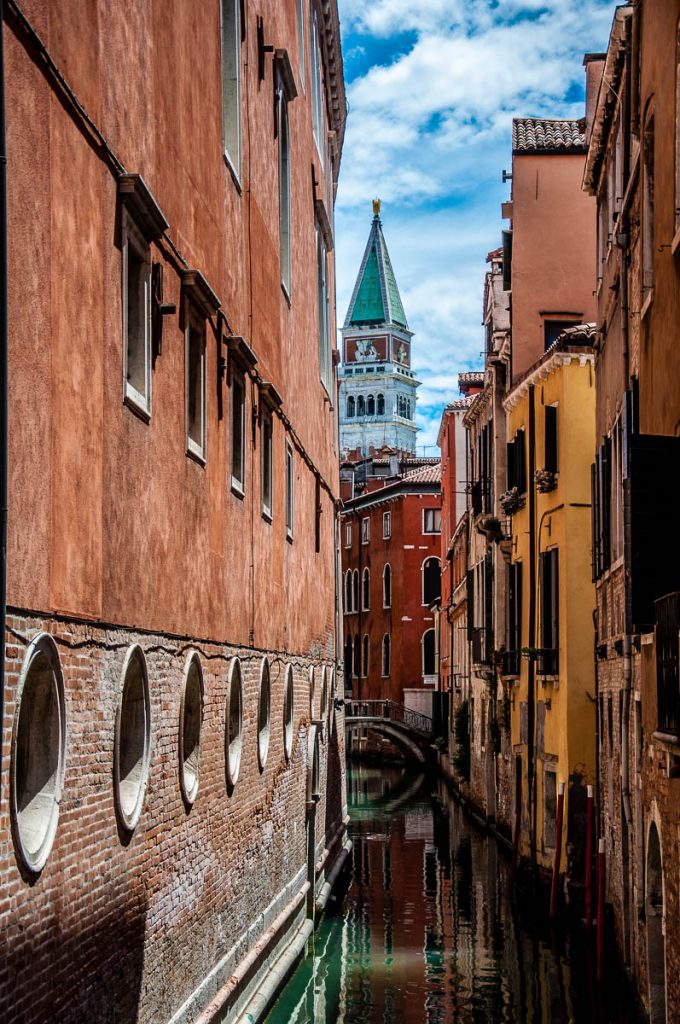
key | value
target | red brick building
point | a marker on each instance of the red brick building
(169, 720)
(390, 537)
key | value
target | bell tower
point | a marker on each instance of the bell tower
(377, 384)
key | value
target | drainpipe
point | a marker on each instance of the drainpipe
(4, 371)
(531, 787)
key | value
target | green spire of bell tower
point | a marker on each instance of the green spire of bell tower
(375, 299)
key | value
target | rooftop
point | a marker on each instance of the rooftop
(425, 474)
(547, 135)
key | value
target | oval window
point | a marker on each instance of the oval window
(38, 752)
(263, 714)
(288, 713)
(234, 732)
(311, 691)
(324, 694)
(331, 708)
(191, 720)
(131, 751)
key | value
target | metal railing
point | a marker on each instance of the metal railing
(667, 658)
(387, 709)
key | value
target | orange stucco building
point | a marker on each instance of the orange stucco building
(173, 482)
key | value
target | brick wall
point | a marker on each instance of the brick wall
(120, 927)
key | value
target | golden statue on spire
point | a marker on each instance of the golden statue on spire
(376, 207)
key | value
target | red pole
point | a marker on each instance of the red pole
(600, 907)
(558, 853)
(589, 859)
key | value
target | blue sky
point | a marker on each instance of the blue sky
(432, 87)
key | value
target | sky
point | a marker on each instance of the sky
(432, 87)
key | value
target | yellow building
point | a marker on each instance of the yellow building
(548, 664)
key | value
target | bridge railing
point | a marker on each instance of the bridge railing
(387, 709)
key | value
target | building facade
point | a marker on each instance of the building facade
(632, 171)
(392, 577)
(377, 384)
(172, 777)
(548, 661)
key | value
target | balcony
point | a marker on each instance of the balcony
(511, 663)
(547, 662)
(667, 614)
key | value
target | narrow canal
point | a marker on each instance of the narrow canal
(426, 931)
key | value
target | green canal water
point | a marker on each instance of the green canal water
(426, 932)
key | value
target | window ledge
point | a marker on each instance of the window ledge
(233, 172)
(553, 680)
(140, 409)
(195, 455)
(289, 538)
(286, 294)
(647, 303)
(266, 515)
(237, 489)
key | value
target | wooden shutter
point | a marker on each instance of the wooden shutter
(550, 459)
(470, 576)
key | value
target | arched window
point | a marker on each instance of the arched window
(361, 406)
(348, 592)
(381, 405)
(264, 714)
(386, 655)
(370, 405)
(132, 741)
(356, 669)
(351, 407)
(191, 720)
(432, 580)
(387, 586)
(656, 951)
(234, 730)
(38, 752)
(428, 653)
(366, 590)
(355, 591)
(323, 704)
(348, 662)
(364, 658)
(284, 188)
(288, 712)
(400, 405)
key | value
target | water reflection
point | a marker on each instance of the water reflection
(427, 933)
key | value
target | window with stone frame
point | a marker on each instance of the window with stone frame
(238, 433)
(267, 469)
(284, 188)
(290, 491)
(195, 383)
(136, 261)
(231, 83)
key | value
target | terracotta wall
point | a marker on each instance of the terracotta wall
(117, 499)
(553, 250)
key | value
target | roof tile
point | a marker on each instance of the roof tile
(547, 135)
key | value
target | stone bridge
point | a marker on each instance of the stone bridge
(410, 731)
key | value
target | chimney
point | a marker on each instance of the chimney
(594, 65)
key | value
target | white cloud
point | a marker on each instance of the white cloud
(429, 131)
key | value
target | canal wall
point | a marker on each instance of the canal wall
(187, 915)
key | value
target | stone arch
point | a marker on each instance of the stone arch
(380, 405)
(654, 917)
(351, 406)
(370, 405)
(361, 406)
